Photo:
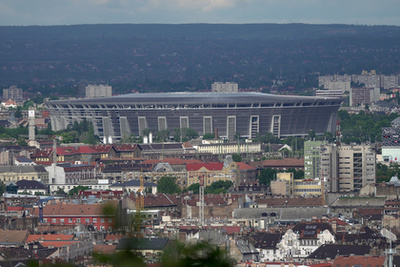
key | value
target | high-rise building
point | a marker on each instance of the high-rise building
(348, 168)
(227, 87)
(13, 93)
(364, 95)
(95, 91)
(312, 159)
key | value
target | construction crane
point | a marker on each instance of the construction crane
(41, 204)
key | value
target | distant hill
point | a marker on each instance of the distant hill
(198, 31)
(190, 57)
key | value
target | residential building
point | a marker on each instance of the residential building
(360, 261)
(329, 93)
(95, 91)
(150, 248)
(221, 148)
(229, 170)
(304, 238)
(347, 168)
(23, 161)
(364, 95)
(280, 164)
(312, 159)
(391, 142)
(29, 172)
(286, 185)
(102, 185)
(13, 92)
(228, 87)
(69, 174)
(335, 82)
(31, 187)
(73, 214)
(134, 186)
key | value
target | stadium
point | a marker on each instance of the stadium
(228, 114)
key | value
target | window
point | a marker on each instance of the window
(94, 220)
(87, 221)
(78, 220)
(53, 220)
(110, 220)
(70, 220)
(102, 220)
(61, 220)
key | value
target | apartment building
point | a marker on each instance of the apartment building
(347, 168)
(312, 159)
(94, 91)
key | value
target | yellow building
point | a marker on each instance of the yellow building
(285, 184)
(17, 173)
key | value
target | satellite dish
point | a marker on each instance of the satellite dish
(388, 234)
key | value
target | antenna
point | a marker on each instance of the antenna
(390, 252)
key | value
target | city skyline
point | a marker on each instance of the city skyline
(73, 12)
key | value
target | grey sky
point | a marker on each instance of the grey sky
(70, 12)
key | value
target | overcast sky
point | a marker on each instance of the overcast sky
(71, 12)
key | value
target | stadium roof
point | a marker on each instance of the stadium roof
(190, 98)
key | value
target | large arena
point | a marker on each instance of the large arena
(227, 113)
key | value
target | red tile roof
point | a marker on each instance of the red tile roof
(244, 166)
(284, 162)
(362, 261)
(173, 161)
(87, 150)
(125, 147)
(160, 200)
(71, 209)
(55, 237)
(212, 166)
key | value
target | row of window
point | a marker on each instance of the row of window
(78, 220)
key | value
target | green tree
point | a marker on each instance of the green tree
(75, 190)
(167, 184)
(193, 187)
(266, 176)
(60, 192)
(218, 187)
(2, 188)
(201, 254)
(236, 158)
(208, 136)
(185, 134)
(18, 113)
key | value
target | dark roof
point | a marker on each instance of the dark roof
(332, 250)
(23, 159)
(183, 98)
(23, 168)
(266, 240)
(312, 229)
(142, 243)
(28, 184)
(165, 146)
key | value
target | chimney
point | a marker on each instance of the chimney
(334, 226)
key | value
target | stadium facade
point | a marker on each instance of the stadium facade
(227, 113)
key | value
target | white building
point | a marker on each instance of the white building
(94, 91)
(227, 87)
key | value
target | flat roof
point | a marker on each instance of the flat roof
(191, 98)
